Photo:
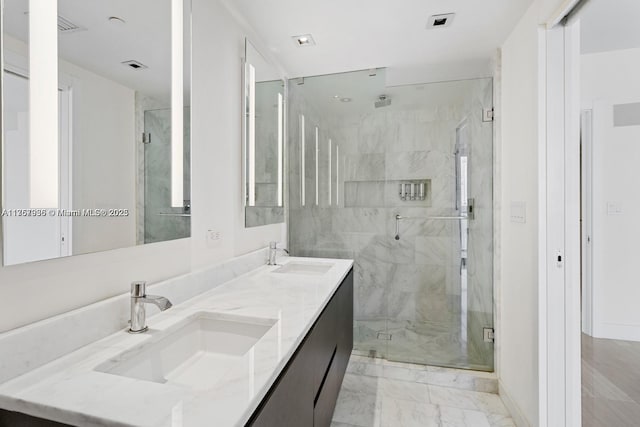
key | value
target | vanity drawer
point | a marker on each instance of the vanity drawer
(322, 342)
(325, 401)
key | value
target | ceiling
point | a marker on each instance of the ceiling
(607, 25)
(361, 34)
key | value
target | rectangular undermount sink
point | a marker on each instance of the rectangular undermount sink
(310, 268)
(195, 353)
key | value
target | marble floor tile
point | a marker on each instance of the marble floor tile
(463, 381)
(474, 400)
(496, 420)
(405, 413)
(456, 417)
(358, 409)
(377, 392)
(362, 383)
(404, 374)
(404, 390)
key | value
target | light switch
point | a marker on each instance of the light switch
(519, 212)
(614, 208)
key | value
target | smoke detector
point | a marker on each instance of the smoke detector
(440, 21)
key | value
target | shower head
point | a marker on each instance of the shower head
(383, 101)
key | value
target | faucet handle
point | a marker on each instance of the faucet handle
(138, 289)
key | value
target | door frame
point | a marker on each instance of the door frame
(560, 231)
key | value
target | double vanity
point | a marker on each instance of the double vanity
(268, 348)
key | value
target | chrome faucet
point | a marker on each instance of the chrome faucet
(139, 298)
(273, 252)
(273, 249)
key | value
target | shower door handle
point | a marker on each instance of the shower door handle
(447, 217)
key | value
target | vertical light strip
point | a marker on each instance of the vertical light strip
(177, 103)
(303, 183)
(317, 162)
(252, 135)
(337, 175)
(43, 104)
(330, 161)
(280, 148)
(463, 183)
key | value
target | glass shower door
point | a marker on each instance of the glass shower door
(452, 315)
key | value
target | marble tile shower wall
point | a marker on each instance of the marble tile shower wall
(414, 281)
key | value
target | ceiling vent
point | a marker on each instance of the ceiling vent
(134, 65)
(65, 26)
(440, 21)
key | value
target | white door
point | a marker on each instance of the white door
(28, 238)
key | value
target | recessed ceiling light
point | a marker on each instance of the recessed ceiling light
(304, 40)
(336, 96)
(345, 99)
(440, 21)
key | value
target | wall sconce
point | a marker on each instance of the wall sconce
(177, 103)
(43, 104)
(303, 185)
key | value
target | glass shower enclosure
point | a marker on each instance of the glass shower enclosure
(162, 221)
(400, 180)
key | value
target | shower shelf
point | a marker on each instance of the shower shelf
(174, 214)
(384, 193)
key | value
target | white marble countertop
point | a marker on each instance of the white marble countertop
(70, 390)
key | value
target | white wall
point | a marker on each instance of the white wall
(518, 264)
(610, 75)
(104, 160)
(612, 78)
(31, 292)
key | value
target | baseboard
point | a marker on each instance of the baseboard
(617, 331)
(516, 413)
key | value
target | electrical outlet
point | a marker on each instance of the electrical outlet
(213, 238)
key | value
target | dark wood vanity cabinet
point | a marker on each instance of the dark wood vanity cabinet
(306, 391)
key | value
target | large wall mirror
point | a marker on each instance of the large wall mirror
(264, 136)
(95, 125)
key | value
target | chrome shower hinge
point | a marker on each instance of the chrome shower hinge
(487, 115)
(489, 334)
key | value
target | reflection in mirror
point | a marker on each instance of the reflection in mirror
(317, 167)
(95, 126)
(303, 185)
(337, 182)
(330, 175)
(264, 140)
